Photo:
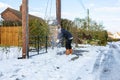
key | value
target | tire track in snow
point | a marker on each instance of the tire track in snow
(106, 65)
(97, 65)
(111, 70)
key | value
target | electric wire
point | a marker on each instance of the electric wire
(83, 6)
(50, 7)
(46, 9)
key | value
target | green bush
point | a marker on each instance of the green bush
(38, 28)
(93, 37)
(11, 23)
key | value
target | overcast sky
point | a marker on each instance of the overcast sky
(106, 12)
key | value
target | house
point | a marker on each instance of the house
(10, 14)
(115, 35)
(11, 36)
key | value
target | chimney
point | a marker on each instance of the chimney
(21, 8)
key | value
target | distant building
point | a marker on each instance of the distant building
(114, 35)
(11, 35)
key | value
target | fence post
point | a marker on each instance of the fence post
(46, 43)
(38, 44)
(28, 51)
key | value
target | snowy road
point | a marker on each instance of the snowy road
(107, 64)
(91, 63)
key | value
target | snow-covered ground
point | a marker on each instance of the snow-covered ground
(89, 63)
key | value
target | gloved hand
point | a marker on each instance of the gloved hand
(57, 41)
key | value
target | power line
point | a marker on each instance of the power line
(46, 9)
(83, 6)
(50, 7)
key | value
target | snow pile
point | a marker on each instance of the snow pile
(10, 52)
(92, 63)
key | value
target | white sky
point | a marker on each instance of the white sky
(102, 11)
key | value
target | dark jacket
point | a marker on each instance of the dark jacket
(64, 34)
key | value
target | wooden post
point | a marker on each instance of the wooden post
(58, 11)
(25, 36)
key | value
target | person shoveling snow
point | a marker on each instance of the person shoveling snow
(62, 33)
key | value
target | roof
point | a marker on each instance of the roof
(19, 14)
(15, 12)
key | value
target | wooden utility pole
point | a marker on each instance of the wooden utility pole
(25, 36)
(58, 11)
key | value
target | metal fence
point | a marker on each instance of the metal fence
(37, 43)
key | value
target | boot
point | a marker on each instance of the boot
(71, 51)
(67, 52)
